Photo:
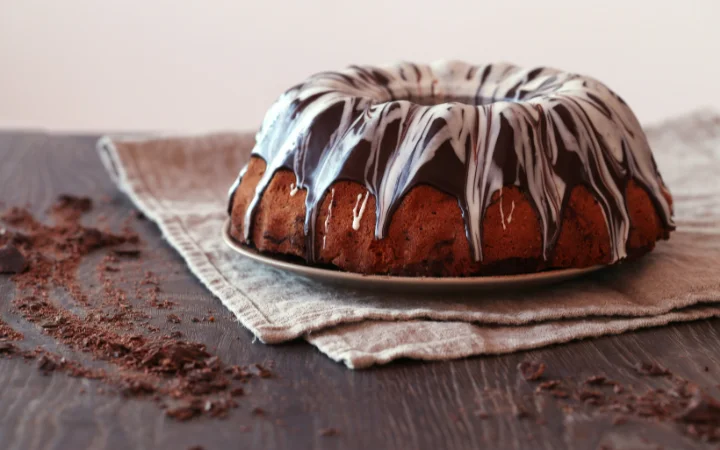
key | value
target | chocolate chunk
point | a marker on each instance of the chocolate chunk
(11, 260)
(531, 370)
(327, 432)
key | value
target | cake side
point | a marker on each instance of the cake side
(426, 235)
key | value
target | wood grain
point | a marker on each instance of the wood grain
(405, 405)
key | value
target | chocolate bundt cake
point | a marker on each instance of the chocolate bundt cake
(451, 169)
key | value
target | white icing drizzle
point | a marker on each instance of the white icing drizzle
(327, 219)
(512, 209)
(502, 214)
(293, 189)
(540, 129)
(358, 213)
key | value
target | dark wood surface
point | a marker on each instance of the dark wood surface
(404, 405)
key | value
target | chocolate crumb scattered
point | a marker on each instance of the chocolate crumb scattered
(237, 392)
(48, 364)
(6, 348)
(559, 393)
(70, 207)
(183, 378)
(173, 318)
(260, 371)
(595, 380)
(482, 414)
(619, 420)
(591, 397)
(185, 410)
(651, 369)
(126, 249)
(328, 432)
(531, 370)
(9, 334)
(547, 385)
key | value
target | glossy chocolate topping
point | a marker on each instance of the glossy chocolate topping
(466, 130)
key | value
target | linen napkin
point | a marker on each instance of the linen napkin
(182, 183)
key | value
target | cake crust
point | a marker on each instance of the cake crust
(427, 237)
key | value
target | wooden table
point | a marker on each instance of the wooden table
(404, 405)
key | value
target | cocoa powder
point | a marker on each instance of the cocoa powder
(183, 377)
(696, 412)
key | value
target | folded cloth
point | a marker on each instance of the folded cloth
(182, 184)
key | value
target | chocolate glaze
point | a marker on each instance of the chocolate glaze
(465, 130)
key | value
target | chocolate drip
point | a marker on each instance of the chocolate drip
(467, 131)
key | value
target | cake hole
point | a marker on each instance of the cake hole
(438, 100)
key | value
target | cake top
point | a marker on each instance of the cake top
(466, 130)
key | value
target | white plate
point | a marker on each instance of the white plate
(388, 282)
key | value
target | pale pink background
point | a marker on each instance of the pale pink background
(182, 65)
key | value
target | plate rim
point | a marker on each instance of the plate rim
(549, 276)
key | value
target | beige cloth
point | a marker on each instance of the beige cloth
(181, 183)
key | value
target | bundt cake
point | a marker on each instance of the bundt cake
(451, 169)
